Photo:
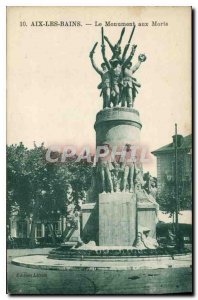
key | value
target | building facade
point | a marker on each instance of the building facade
(166, 163)
(21, 227)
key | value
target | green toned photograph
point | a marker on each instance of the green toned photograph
(99, 151)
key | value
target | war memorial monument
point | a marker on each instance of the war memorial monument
(117, 222)
(120, 211)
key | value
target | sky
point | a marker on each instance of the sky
(52, 94)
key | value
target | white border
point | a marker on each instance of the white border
(3, 5)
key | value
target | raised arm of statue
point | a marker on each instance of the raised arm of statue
(104, 57)
(127, 61)
(141, 58)
(136, 67)
(127, 45)
(125, 52)
(103, 50)
(118, 43)
(99, 71)
(121, 36)
(109, 43)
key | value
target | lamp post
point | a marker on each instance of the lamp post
(176, 185)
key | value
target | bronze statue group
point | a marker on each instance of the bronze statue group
(118, 86)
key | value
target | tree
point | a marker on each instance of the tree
(37, 188)
(166, 198)
(18, 185)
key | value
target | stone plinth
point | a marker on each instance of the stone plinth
(117, 126)
(147, 209)
(117, 219)
(147, 217)
(89, 222)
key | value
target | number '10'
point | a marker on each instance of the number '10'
(23, 23)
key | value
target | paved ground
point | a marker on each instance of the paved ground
(23, 280)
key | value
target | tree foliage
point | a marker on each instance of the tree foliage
(35, 186)
(167, 199)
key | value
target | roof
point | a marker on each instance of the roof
(184, 217)
(186, 144)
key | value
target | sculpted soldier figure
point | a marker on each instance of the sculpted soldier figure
(128, 167)
(138, 181)
(104, 168)
(130, 84)
(105, 76)
(128, 176)
(117, 176)
(153, 188)
(118, 84)
(116, 67)
(150, 185)
(116, 50)
(115, 71)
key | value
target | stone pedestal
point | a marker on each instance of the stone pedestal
(118, 126)
(147, 217)
(147, 209)
(117, 219)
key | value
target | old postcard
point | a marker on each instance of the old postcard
(99, 150)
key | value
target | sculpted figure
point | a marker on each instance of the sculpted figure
(116, 81)
(150, 185)
(116, 66)
(117, 176)
(153, 188)
(144, 241)
(116, 74)
(130, 84)
(115, 70)
(116, 49)
(128, 176)
(138, 181)
(128, 167)
(105, 76)
(118, 84)
(104, 168)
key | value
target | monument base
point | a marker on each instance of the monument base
(147, 209)
(90, 220)
(117, 219)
